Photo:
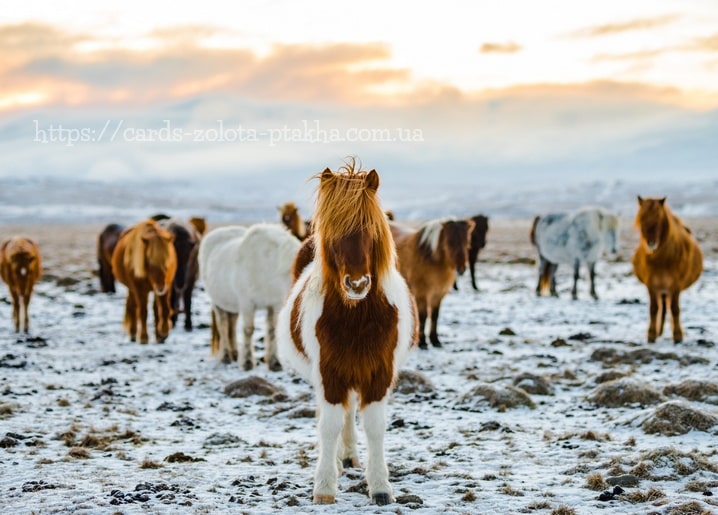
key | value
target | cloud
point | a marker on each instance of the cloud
(509, 47)
(627, 26)
(49, 63)
(640, 55)
(704, 44)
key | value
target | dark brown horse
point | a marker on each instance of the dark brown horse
(290, 217)
(106, 243)
(429, 259)
(186, 244)
(667, 260)
(145, 261)
(478, 242)
(20, 268)
(348, 325)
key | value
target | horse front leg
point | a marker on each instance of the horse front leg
(592, 277)
(473, 256)
(26, 311)
(653, 315)
(542, 272)
(349, 453)
(377, 473)
(421, 308)
(162, 317)
(130, 321)
(433, 330)
(270, 341)
(141, 300)
(187, 301)
(331, 419)
(576, 269)
(15, 310)
(246, 350)
(676, 317)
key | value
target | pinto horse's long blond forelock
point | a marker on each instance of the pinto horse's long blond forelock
(345, 205)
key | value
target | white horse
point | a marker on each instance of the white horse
(573, 238)
(244, 270)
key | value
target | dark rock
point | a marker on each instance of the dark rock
(507, 331)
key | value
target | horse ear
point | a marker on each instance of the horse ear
(326, 174)
(662, 201)
(372, 180)
(640, 200)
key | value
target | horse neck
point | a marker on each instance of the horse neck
(299, 228)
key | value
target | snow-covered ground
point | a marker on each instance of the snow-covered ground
(92, 423)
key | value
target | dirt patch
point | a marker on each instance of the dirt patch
(677, 418)
(623, 392)
(533, 384)
(612, 356)
(500, 398)
(703, 391)
(253, 385)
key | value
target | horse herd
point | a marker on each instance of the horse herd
(347, 295)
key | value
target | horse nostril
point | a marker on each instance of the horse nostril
(347, 282)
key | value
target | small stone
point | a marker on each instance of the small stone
(507, 331)
(606, 496)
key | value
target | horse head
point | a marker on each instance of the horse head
(354, 240)
(652, 221)
(455, 239)
(160, 257)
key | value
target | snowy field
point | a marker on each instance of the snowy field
(531, 406)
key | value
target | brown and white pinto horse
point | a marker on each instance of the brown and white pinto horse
(106, 243)
(290, 217)
(429, 259)
(348, 326)
(667, 260)
(145, 261)
(20, 268)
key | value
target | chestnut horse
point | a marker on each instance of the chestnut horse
(106, 243)
(145, 261)
(20, 268)
(429, 259)
(667, 260)
(348, 325)
(186, 243)
(290, 217)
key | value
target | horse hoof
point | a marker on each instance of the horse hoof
(323, 499)
(382, 499)
(651, 340)
(350, 463)
(248, 365)
(436, 343)
(275, 366)
(188, 328)
(226, 359)
(423, 345)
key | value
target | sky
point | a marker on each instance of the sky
(450, 88)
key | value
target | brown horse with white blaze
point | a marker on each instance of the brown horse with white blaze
(145, 261)
(429, 259)
(106, 243)
(348, 325)
(20, 268)
(667, 260)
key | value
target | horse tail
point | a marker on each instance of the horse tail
(533, 229)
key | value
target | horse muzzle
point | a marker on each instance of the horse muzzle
(357, 290)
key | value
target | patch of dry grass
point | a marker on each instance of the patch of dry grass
(677, 418)
(623, 392)
(694, 390)
(596, 482)
(563, 510)
(690, 508)
(651, 495)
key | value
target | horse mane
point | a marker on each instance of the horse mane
(144, 244)
(345, 205)
(429, 235)
(673, 229)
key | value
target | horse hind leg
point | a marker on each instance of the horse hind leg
(246, 350)
(576, 270)
(592, 278)
(676, 318)
(270, 341)
(26, 311)
(553, 267)
(542, 276)
(663, 303)
(222, 334)
(377, 473)
(15, 310)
